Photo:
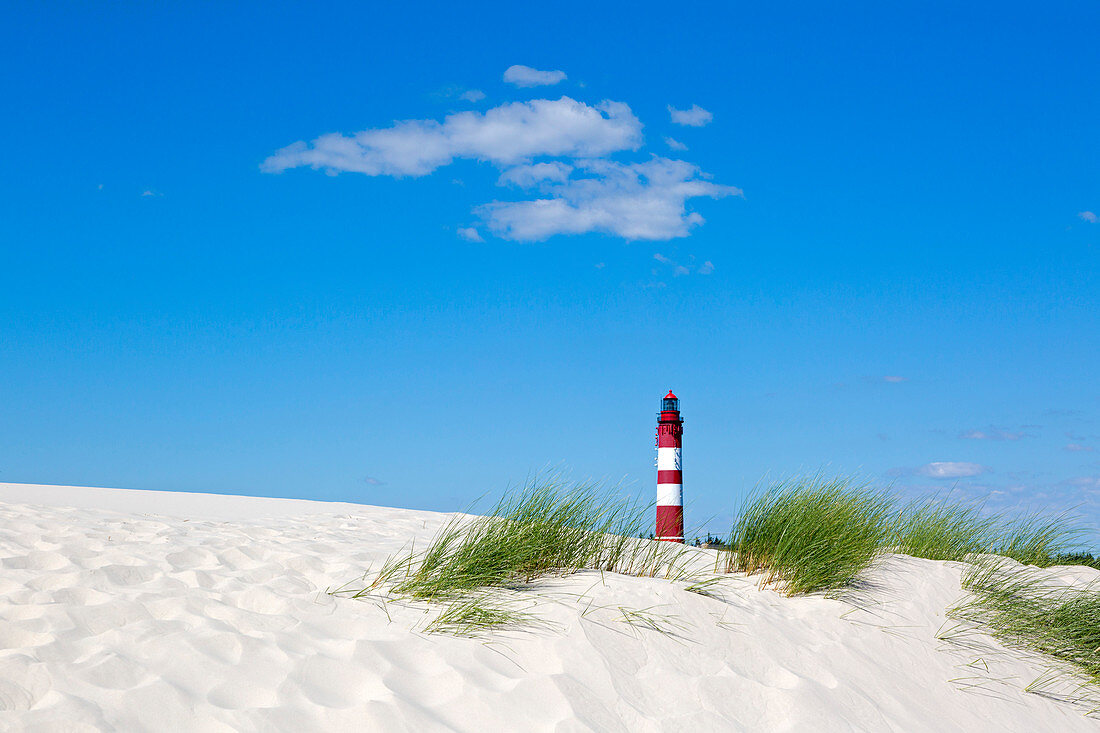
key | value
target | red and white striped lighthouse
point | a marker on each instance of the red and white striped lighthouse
(670, 483)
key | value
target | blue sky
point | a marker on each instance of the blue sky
(406, 256)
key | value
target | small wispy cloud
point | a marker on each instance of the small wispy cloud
(150, 192)
(894, 379)
(600, 265)
(531, 174)
(991, 434)
(675, 144)
(1088, 216)
(372, 481)
(679, 269)
(1078, 448)
(525, 76)
(472, 95)
(951, 469)
(696, 116)
(470, 234)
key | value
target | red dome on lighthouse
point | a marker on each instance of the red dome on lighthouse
(670, 396)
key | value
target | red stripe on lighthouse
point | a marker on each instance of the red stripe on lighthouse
(670, 477)
(670, 523)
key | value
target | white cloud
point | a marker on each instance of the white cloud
(472, 95)
(991, 434)
(574, 189)
(694, 117)
(507, 134)
(675, 144)
(372, 481)
(636, 201)
(1089, 216)
(525, 76)
(528, 175)
(678, 269)
(894, 379)
(951, 469)
(1078, 448)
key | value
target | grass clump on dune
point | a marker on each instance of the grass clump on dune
(538, 531)
(472, 615)
(1027, 609)
(810, 534)
(1037, 539)
(547, 527)
(939, 530)
(936, 529)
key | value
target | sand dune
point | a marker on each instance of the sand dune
(157, 611)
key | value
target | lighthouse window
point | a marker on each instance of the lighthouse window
(670, 404)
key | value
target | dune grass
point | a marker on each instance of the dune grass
(803, 535)
(1027, 609)
(937, 529)
(810, 534)
(549, 526)
(1037, 539)
(472, 615)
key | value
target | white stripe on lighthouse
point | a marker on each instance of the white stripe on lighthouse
(670, 495)
(668, 459)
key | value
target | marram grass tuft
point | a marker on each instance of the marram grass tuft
(547, 527)
(936, 529)
(1025, 608)
(810, 534)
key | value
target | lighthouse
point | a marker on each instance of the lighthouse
(670, 484)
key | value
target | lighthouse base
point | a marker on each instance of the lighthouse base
(670, 524)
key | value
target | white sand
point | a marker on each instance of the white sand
(153, 611)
